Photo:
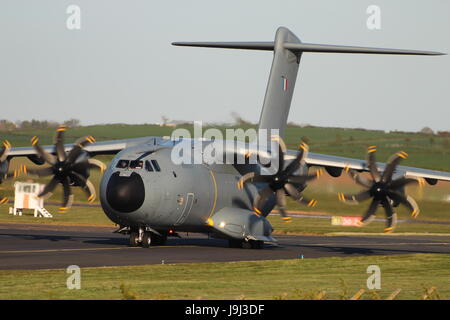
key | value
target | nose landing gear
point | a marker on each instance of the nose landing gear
(145, 238)
(246, 244)
(135, 238)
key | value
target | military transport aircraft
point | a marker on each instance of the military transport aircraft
(150, 197)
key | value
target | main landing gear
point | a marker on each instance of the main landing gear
(246, 244)
(140, 237)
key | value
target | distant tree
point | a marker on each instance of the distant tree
(25, 124)
(52, 124)
(37, 124)
(164, 120)
(427, 131)
(6, 125)
(72, 123)
(238, 120)
(294, 125)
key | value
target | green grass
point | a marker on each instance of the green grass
(21, 138)
(75, 216)
(425, 151)
(288, 279)
(323, 226)
(291, 279)
(433, 201)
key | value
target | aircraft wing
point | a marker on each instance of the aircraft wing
(97, 148)
(333, 164)
(336, 164)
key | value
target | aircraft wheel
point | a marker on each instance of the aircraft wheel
(233, 243)
(158, 240)
(252, 244)
(134, 239)
(257, 244)
(146, 240)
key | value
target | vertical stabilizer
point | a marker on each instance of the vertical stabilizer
(280, 87)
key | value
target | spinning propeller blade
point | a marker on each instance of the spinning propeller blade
(66, 168)
(383, 190)
(282, 183)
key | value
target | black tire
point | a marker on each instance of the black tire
(246, 244)
(252, 244)
(257, 244)
(233, 243)
(134, 239)
(147, 239)
(158, 240)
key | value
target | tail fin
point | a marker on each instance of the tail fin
(283, 74)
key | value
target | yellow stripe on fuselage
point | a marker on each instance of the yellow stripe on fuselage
(215, 193)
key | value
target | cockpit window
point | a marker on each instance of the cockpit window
(156, 165)
(122, 164)
(136, 164)
(148, 166)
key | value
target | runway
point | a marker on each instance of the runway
(49, 247)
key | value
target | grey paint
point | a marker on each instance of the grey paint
(277, 101)
(204, 189)
(237, 223)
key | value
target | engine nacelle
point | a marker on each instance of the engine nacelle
(334, 171)
(36, 159)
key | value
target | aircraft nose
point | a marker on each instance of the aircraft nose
(125, 194)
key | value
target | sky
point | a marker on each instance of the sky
(120, 65)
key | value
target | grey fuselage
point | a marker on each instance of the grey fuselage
(167, 195)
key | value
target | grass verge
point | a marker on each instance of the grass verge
(339, 278)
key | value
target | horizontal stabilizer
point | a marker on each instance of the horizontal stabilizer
(268, 45)
(311, 47)
(287, 51)
(305, 47)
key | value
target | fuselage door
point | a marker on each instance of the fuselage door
(186, 209)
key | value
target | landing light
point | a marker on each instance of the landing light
(222, 224)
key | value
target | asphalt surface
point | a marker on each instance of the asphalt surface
(48, 247)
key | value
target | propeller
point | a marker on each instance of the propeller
(383, 190)
(282, 183)
(67, 168)
(4, 174)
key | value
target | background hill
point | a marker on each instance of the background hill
(426, 150)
